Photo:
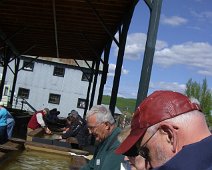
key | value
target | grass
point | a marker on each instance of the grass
(124, 105)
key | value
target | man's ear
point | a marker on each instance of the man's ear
(170, 132)
(107, 124)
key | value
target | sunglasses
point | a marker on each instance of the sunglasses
(143, 150)
(140, 150)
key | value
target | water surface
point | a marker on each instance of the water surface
(33, 160)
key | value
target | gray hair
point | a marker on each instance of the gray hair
(46, 110)
(73, 113)
(102, 114)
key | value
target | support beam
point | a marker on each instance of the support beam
(96, 72)
(11, 69)
(88, 90)
(102, 22)
(25, 52)
(8, 43)
(81, 57)
(55, 28)
(17, 63)
(13, 35)
(105, 71)
(149, 50)
(34, 59)
(92, 48)
(120, 57)
(81, 68)
(149, 3)
(6, 61)
(89, 86)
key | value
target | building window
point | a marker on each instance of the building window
(1, 61)
(6, 91)
(59, 71)
(28, 66)
(54, 98)
(86, 76)
(23, 93)
(81, 103)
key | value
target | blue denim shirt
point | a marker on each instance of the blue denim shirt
(9, 118)
(3, 117)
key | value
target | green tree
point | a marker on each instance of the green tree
(203, 94)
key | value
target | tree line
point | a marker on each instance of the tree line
(203, 94)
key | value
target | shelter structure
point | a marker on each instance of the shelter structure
(74, 29)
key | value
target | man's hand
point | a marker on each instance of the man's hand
(49, 132)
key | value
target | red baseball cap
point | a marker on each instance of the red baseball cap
(158, 106)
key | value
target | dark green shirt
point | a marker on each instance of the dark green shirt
(104, 157)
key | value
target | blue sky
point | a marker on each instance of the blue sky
(183, 49)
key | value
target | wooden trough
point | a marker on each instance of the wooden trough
(14, 144)
(36, 142)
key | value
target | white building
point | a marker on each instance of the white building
(51, 83)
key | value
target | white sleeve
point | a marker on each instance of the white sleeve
(40, 120)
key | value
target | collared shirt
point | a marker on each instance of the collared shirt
(104, 156)
(40, 120)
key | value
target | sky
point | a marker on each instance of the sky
(183, 48)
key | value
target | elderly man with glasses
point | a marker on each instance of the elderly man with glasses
(101, 125)
(170, 132)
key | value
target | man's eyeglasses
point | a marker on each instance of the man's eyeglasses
(143, 150)
(93, 128)
(140, 150)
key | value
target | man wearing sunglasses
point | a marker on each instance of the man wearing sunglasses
(132, 162)
(170, 132)
(101, 125)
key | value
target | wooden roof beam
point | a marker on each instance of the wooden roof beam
(103, 23)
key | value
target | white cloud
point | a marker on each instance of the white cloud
(126, 93)
(194, 28)
(174, 86)
(135, 46)
(195, 54)
(173, 20)
(107, 89)
(192, 54)
(205, 72)
(112, 68)
(121, 93)
(204, 15)
(125, 71)
(109, 74)
(132, 93)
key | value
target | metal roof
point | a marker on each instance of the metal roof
(77, 29)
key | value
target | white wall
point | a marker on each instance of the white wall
(41, 82)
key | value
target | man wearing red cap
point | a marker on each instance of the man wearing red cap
(170, 132)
